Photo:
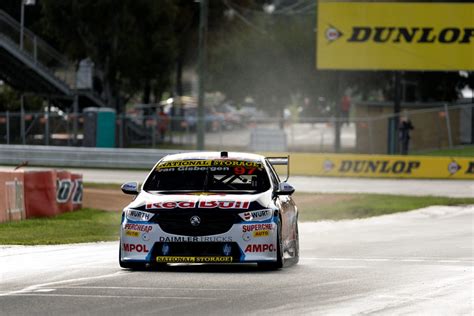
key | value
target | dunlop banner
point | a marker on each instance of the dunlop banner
(395, 36)
(382, 166)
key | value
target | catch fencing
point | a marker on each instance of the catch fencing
(365, 131)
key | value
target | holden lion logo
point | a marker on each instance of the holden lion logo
(195, 220)
(332, 33)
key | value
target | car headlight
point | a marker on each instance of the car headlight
(259, 215)
(138, 216)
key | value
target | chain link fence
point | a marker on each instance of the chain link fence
(434, 128)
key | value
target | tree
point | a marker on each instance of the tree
(130, 41)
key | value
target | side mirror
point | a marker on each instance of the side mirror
(285, 189)
(130, 188)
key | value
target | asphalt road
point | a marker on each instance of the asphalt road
(451, 188)
(419, 262)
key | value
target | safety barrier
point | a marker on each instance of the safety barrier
(12, 203)
(81, 156)
(32, 194)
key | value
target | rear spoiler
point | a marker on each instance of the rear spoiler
(281, 161)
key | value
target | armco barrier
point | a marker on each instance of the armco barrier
(40, 194)
(58, 156)
(64, 189)
(77, 190)
(12, 204)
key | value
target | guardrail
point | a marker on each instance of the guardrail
(82, 157)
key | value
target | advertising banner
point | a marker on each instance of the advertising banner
(395, 36)
(382, 166)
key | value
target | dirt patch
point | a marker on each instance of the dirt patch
(104, 199)
(115, 200)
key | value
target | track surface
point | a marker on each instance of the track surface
(419, 262)
(451, 188)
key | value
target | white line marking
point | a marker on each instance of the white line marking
(437, 260)
(145, 288)
(117, 296)
(35, 287)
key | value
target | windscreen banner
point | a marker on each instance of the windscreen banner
(395, 36)
(382, 166)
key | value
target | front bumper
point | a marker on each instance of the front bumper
(243, 242)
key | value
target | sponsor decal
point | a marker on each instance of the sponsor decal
(260, 248)
(396, 36)
(195, 239)
(401, 34)
(328, 165)
(261, 233)
(256, 227)
(77, 192)
(379, 166)
(135, 248)
(199, 204)
(470, 168)
(63, 190)
(332, 33)
(207, 163)
(132, 233)
(181, 259)
(247, 236)
(165, 249)
(171, 205)
(453, 167)
(259, 215)
(194, 169)
(227, 249)
(135, 215)
(139, 227)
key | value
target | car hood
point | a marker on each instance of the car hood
(149, 201)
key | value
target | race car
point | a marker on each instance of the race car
(211, 207)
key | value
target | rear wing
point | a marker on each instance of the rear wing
(281, 161)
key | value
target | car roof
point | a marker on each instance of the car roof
(208, 155)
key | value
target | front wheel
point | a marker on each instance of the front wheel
(278, 264)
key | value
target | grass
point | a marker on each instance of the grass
(91, 225)
(314, 207)
(105, 186)
(467, 151)
(86, 225)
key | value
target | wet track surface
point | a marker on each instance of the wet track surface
(418, 262)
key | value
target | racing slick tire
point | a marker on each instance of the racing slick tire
(278, 264)
(130, 265)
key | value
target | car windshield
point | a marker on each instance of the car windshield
(225, 176)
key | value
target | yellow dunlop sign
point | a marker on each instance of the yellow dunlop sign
(384, 166)
(395, 36)
(182, 259)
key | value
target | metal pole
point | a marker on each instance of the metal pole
(22, 23)
(8, 127)
(35, 51)
(396, 109)
(448, 125)
(46, 125)
(202, 73)
(22, 119)
(75, 123)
